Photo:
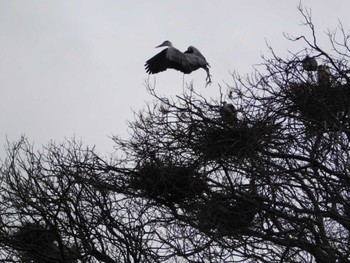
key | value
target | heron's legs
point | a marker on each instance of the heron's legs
(183, 81)
(208, 79)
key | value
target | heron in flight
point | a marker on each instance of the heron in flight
(186, 62)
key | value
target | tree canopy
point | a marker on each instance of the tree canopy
(259, 174)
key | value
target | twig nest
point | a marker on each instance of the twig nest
(225, 216)
(169, 182)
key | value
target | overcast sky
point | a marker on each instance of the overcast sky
(76, 67)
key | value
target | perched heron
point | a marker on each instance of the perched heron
(309, 64)
(186, 62)
(228, 113)
(323, 76)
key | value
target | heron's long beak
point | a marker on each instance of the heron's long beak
(161, 45)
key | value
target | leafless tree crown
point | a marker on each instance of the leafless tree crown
(261, 174)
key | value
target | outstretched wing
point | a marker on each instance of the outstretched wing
(157, 63)
(168, 58)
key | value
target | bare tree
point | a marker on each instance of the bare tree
(258, 175)
(55, 191)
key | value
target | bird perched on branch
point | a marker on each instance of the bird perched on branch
(186, 62)
(228, 113)
(309, 64)
(323, 76)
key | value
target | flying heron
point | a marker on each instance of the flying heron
(186, 62)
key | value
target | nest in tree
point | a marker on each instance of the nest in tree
(225, 216)
(326, 105)
(33, 235)
(168, 182)
(238, 140)
(35, 243)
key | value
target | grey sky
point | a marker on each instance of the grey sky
(75, 67)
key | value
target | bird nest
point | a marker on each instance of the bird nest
(36, 243)
(34, 236)
(327, 105)
(224, 216)
(168, 182)
(239, 140)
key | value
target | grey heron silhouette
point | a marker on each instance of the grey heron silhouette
(172, 58)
